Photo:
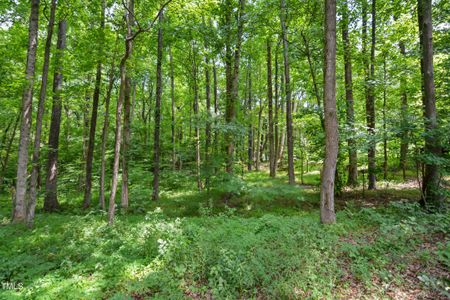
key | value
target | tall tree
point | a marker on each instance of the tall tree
(196, 115)
(124, 85)
(172, 98)
(430, 186)
(404, 117)
(327, 214)
(272, 159)
(93, 125)
(19, 205)
(51, 184)
(350, 111)
(232, 61)
(105, 129)
(370, 106)
(157, 130)
(287, 78)
(39, 117)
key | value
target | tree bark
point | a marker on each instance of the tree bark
(8, 148)
(156, 143)
(119, 110)
(350, 112)
(39, 117)
(105, 134)
(19, 209)
(172, 98)
(93, 125)
(313, 76)
(289, 129)
(232, 77)
(431, 197)
(196, 118)
(208, 115)
(327, 213)
(370, 107)
(51, 189)
(385, 150)
(250, 121)
(404, 115)
(272, 160)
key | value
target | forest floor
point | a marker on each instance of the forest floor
(265, 242)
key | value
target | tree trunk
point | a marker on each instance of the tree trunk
(250, 121)
(39, 117)
(289, 130)
(8, 149)
(327, 214)
(352, 152)
(258, 137)
(404, 116)
(105, 134)
(156, 143)
(93, 125)
(172, 98)
(385, 153)
(19, 209)
(196, 118)
(272, 160)
(430, 186)
(208, 115)
(232, 77)
(313, 76)
(276, 146)
(51, 196)
(370, 107)
(119, 109)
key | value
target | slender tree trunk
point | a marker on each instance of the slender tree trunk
(119, 110)
(8, 149)
(276, 145)
(51, 196)
(232, 77)
(196, 118)
(327, 214)
(258, 138)
(93, 125)
(385, 151)
(105, 134)
(272, 160)
(404, 114)
(208, 115)
(313, 76)
(19, 205)
(172, 97)
(156, 143)
(216, 111)
(289, 130)
(352, 152)
(127, 114)
(430, 186)
(39, 117)
(250, 120)
(370, 107)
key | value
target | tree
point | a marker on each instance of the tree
(287, 78)
(93, 125)
(350, 111)
(19, 207)
(327, 214)
(370, 105)
(272, 159)
(430, 186)
(51, 184)
(232, 61)
(157, 133)
(39, 117)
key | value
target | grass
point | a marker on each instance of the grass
(265, 242)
